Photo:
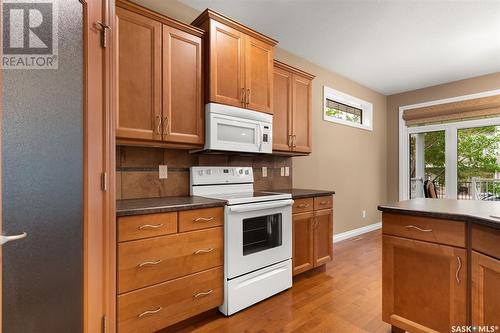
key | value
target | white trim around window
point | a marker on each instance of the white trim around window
(338, 96)
(450, 145)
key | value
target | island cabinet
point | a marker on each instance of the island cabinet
(158, 79)
(312, 225)
(424, 277)
(292, 110)
(485, 276)
(239, 63)
(170, 267)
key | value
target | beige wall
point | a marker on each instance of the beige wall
(447, 90)
(348, 160)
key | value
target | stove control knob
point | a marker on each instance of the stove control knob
(200, 172)
(240, 171)
(209, 172)
(247, 172)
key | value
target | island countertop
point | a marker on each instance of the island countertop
(474, 211)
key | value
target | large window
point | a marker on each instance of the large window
(339, 107)
(461, 159)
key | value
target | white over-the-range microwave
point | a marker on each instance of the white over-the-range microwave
(230, 128)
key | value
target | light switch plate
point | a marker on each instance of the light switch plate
(287, 171)
(282, 170)
(264, 171)
(163, 171)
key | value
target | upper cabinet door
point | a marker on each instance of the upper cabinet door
(258, 75)
(302, 117)
(138, 76)
(226, 65)
(182, 87)
(282, 109)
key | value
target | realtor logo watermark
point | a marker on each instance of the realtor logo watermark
(29, 30)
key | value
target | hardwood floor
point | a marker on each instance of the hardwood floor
(344, 297)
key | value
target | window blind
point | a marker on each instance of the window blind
(472, 108)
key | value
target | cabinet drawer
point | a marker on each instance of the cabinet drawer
(153, 308)
(144, 226)
(145, 262)
(324, 202)
(426, 229)
(303, 205)
(486, 240)
(200, 218)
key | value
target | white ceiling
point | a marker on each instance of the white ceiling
(389, 46)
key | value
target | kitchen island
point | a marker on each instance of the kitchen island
(441, 264)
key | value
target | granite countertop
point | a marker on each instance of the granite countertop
(480, 212)
(298, 193)
(130, 207)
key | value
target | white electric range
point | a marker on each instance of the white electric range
(257, 235)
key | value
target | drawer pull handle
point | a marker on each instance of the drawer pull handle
(149, 312)
(323, 203)
(149, 263)
(417, 228)
(457, 273)
(151, 226)
(203, 293)
(204, 219)
(204, 251)
(303, 205)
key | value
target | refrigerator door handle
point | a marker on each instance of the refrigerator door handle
(6, 239)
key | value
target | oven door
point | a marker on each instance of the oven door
(257, 235)
(233, 133)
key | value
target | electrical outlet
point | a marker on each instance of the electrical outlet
(364, 214)
(282, 171)
(287, 171)
(163, 171)
(264, 171)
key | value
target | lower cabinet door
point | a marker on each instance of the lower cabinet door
(323, 237)
(153, 308)
(303, 257)
(424, 285)
(485, 290)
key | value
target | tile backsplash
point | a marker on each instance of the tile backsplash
(137, 170)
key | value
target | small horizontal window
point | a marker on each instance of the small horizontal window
(347, 110)
(343, 111)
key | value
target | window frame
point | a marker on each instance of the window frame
(343, 98)
(451, 133)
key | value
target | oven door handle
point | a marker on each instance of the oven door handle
(260, 206)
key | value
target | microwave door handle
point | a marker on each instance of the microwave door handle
(260, 206)
(261, 136)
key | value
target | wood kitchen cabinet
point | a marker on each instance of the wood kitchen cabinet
(424, 285)
(159, 79)
(303, 242)
(485, 276)
(138, 76)
(485, 289)
(292, 109)
(312, 233)
(170, 267)
(239, 63)
(323, 237)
